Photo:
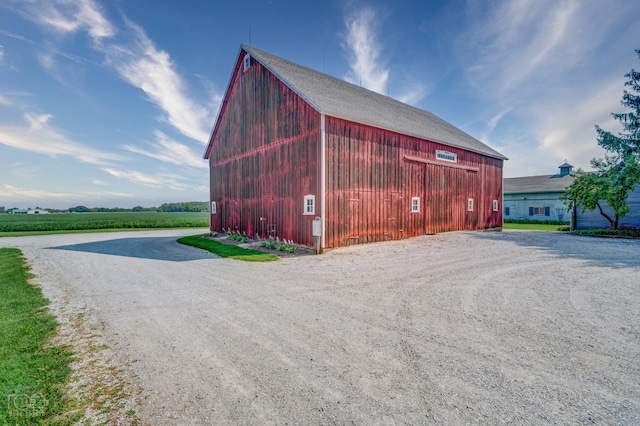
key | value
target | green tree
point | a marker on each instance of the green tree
(618, 174)
(611, 183)
(627, 143)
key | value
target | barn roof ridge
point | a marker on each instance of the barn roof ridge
(338, 98)
(538, 183)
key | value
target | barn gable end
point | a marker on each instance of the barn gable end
(288, 137)
(263, 157)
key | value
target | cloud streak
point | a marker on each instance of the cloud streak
(158, 180)
(144, 66)
(170, 151)
(138, 61)
(363, 51)
(72, 16)
(40, 137)
(13, 192)
(534, 59)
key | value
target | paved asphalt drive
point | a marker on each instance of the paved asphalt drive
(454, 328)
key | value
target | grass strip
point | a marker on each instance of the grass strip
(534, 227)
(33, 374)
(227, 250)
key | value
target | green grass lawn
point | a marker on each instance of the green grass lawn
(32, 373)
(532, 226)
(227, 250)
(17, 225)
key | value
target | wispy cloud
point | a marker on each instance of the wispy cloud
(170, 151)
(534, 59)
(411, 95)
(40, 137)
(144, 66)
(568, 129)
(1, 54)
(27, 194)
(136, 60)
(492, 123)
(65, 16)
(363, 52)
(519, 43)
(159, 180)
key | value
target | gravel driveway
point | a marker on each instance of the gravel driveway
(455, 328)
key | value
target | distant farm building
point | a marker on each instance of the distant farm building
(537, 197)
(292, 147)
(29, 211)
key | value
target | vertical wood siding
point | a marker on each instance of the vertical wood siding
(265, 158)
(370, 184)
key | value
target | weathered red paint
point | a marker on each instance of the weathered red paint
(265, 156)
(372, 174)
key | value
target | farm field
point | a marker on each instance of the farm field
(533, 226)
(101, 221)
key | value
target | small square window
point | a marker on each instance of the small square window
(495, 205)
(507, 211)
(309, 204)
(213, 207)
(246, 62)
(470, 204)
(415, 204)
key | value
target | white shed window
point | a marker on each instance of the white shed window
(495, 205)
(470, 204)
(246, 62)
(415, 204)
(446, 156)
(213, 207)
(309, 204)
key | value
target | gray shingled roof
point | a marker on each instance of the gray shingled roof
(529, 184)
(338, 98)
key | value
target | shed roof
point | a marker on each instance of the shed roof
(544, 183)
(338, 98)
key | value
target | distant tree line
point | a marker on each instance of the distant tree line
(190, 206)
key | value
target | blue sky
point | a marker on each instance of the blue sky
(110, 103)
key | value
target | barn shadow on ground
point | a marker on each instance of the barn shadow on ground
(164, 248)
(602, 252)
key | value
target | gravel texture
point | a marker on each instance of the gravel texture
(457, 328)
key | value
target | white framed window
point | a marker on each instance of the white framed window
(534, 211)
(470, 204)
(246, 62)
(415, 204)
(443, 155)
(309, 204)
(213, 207)
(495, 205)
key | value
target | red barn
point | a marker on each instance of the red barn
(291, 144)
